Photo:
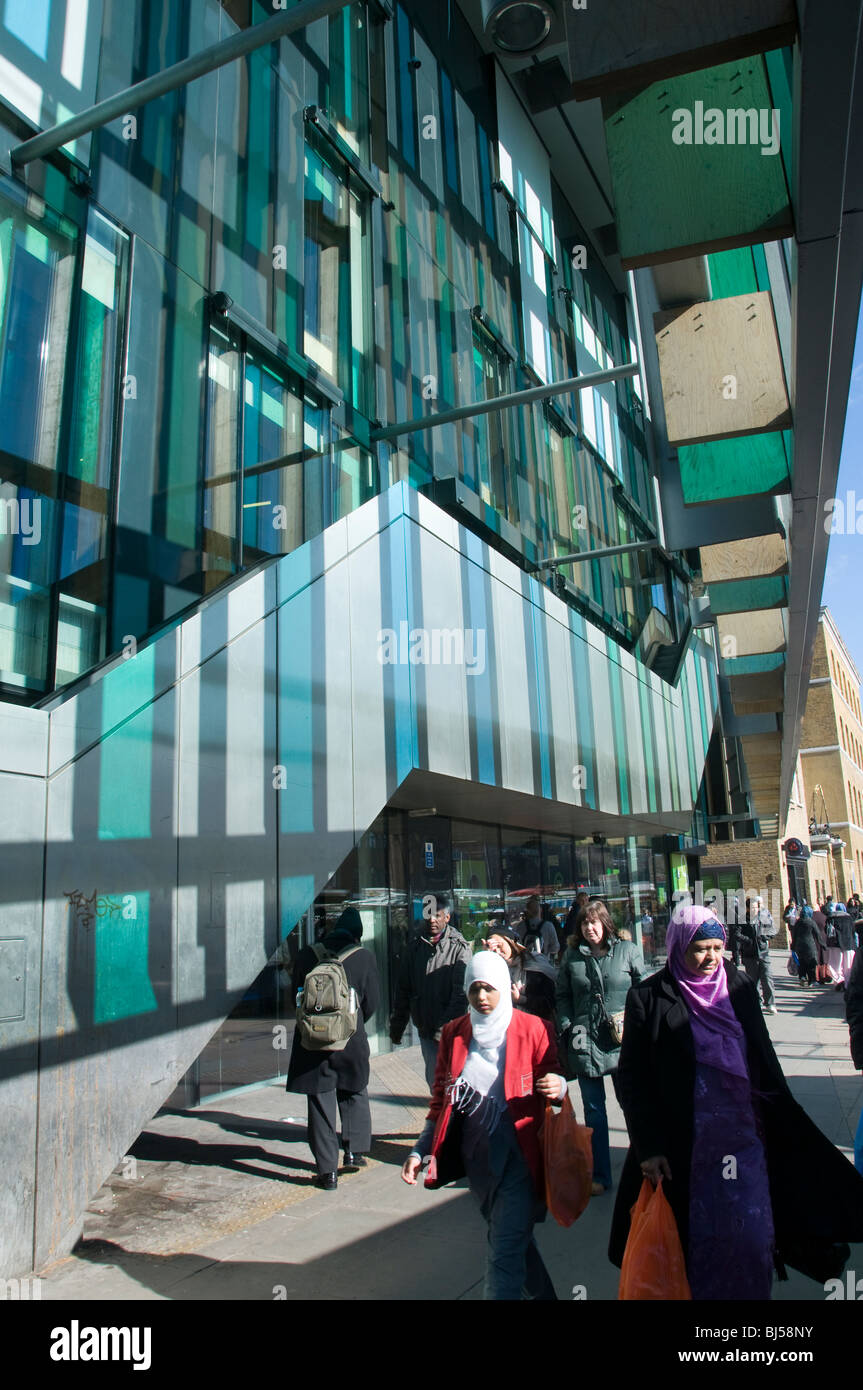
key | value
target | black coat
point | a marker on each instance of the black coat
(804, 944)
(845, 939)
(656, 1086)
(430, 983)
(312, 1073)
(854, 1009)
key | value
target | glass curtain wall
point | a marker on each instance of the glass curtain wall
(62, 313)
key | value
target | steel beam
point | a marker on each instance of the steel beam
(514, 398)
(198, 65)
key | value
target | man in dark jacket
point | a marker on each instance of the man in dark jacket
(750, 946)
(330, 1078)
(430, 988)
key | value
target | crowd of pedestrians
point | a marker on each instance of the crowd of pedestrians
(504, 1028)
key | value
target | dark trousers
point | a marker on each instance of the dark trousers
(502, 1185)
(356, 1121)
(759, 971)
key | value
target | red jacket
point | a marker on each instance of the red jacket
(531, 1052)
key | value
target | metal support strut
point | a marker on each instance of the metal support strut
(515, 398)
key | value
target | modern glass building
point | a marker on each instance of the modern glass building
(293, 613)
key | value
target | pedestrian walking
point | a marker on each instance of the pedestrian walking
(533, 976)
(593, 981)
(536, 931)
(339, 1078)
(430, 982)
(750, 946)
(710, 1114)
(497, 1068)
(854, 1015)
(841, 942)
(804, 944)
(791, 913)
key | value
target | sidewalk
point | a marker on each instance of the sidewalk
(220, 1203)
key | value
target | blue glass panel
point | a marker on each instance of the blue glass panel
(28, 20)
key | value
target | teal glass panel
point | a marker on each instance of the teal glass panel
(122, 986)
(221, 472)
(337, 277)
(37, 269)
(84, 548)
(273, 467)
(354, 475)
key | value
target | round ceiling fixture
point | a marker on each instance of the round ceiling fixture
(517, 26)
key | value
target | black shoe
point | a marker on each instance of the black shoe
(328, 1181)
(353, 1161)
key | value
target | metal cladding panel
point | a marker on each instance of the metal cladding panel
(22, 824)
(600, 689)
(366, 684)
(107, 963)
(441, 682)
(658, 708)
(562, 734)
(512, 676)
(636, 752)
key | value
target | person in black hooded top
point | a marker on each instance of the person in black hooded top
(328, 1078)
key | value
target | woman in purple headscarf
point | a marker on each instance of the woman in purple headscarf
(710, 1115)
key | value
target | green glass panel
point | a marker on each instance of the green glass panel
(725, 468)
(122, 986)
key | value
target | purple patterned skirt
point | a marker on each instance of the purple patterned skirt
(730, 1215)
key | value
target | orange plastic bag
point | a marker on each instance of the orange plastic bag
(653, 1265)
(568, 1163)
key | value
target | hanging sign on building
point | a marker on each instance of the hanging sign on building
(429, 854)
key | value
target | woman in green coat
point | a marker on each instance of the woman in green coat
(594, 978)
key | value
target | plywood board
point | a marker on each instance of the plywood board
(757, 555)
(721, 369)
(678, 191)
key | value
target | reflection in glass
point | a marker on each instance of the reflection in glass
(37, 264)
(336, 278)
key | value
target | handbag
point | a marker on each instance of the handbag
(793, 964)
(612, 1024)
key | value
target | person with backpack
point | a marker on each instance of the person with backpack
(338, 989)
(536, 932)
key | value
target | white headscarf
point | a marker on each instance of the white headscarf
(489, 1030)
(483, 1063)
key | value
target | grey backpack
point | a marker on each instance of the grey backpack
(327, 1011)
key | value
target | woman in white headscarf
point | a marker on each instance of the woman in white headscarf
(496, 1070)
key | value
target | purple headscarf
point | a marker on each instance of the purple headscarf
(716, 1029)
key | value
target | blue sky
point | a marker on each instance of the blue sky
(843, 582)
